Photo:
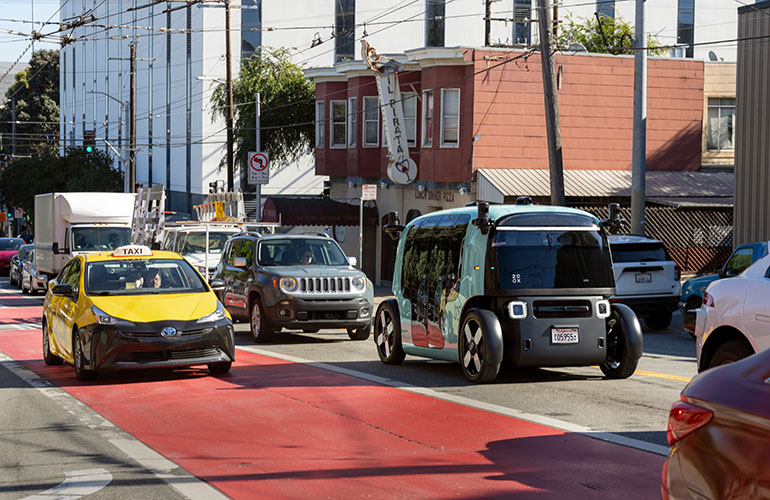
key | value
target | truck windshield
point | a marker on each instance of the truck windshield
(551, 259)
(142, 277)
(301, 252)
(99, 238)
(188, 243)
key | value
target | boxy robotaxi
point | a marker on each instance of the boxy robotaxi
(525, 284)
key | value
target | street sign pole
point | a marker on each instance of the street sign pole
(368, 192)
(259, 148)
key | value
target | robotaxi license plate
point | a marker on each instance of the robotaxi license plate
(561, 335)
(643, 278)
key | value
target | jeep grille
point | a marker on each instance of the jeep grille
(324, 285)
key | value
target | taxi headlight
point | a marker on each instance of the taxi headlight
(217, 315)
(358, 283)
(102, 317)
(289, 285)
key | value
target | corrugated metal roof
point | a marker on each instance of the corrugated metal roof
(603, 183)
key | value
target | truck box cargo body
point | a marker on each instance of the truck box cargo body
(68, 224)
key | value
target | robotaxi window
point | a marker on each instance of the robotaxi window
(140, 277)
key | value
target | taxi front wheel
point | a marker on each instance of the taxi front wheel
(79, 360)
(49, 358)
(219, 368)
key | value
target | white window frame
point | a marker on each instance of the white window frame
(352, 121)
(427, 139)
(443, 107)
(364, 121)
(720, 116)
(406, 96)
(319, 124)
(342, 123)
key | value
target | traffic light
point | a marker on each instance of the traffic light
(212, 187)
(216, 187)
(88, 140)
(327, 189)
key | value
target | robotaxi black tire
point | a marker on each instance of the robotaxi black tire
(622, 356)
(480, 346)
(387, 333)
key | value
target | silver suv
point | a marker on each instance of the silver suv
(646, 278)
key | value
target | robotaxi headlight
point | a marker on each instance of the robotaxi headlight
(289, 285)
(603, 309)
(358, 283)
(517, 309)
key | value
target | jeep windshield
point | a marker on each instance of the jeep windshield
(545, 258)
(300, 252)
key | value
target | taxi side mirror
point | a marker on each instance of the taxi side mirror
(63, 290)
(240, 262)
(217, 285)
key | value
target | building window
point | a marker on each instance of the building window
(409, 103)
(522, 13)
(344, 30)
(371, 121)
(251, 28)
(339, 115)
(721, 124)
(427, 119)
(450, 118)
(352, 121)
(605, 8)
(685, 25)
(319, 124)
(434, 23)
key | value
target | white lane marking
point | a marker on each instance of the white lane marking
(21, 326)
(184, 482)
(79, 483)
(529, 417)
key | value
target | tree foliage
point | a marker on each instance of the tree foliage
(605, 35)
(47, 172)
(287, 103)
(36, 90)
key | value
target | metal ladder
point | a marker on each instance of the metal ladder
(222, 207)
(149, 216)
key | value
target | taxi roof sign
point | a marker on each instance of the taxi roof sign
(132, 251)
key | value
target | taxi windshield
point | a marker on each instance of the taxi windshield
(188, 243)
(99, 238)
(142, 277)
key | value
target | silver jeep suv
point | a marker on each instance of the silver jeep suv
(646, 278)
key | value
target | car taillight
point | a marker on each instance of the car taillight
(677, 272)
(685, 418)
(708, 299)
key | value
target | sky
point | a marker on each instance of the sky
(12, 16)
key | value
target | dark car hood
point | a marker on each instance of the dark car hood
(701, 282)
(743, 385)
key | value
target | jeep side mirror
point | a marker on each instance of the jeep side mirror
(240, 262)
(392, 226)
(352, 261)
(217, 285)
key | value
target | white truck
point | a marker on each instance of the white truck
(67, 224)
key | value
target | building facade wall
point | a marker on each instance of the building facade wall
(752, 149)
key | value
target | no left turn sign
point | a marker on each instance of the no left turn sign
(259, 173)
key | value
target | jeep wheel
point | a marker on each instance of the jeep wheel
(387, 334)
(476, 352)
(79, 361)
(261, 331)
(49, 358)
(729, 352)
(359, 333)
(659, 321)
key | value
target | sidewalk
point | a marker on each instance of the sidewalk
(381, 292)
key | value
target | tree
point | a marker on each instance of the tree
(47, 172)
(287, 102)
(36, 91)
(605, 35)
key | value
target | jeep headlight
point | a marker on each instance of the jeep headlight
(217, 315)
(358, 283)
(289, 285)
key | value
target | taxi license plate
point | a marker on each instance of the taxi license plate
(643, 278)
(564, 335)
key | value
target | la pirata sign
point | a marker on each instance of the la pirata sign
(259, 167)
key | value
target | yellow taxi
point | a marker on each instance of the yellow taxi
(134, 308)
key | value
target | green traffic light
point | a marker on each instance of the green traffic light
(89, 149)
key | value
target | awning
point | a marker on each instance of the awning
(317, 212)
(496, 184)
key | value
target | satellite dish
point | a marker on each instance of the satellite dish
(713, 56)
(577, 47)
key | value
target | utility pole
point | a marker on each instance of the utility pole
(230, 101)
(487, 21)
(132, 121)
(13, 126)
(258, 187)
(552, 125)
(638, 163)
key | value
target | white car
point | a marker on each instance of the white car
(734, 320)
(190, 241)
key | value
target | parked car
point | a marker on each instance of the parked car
(9, 247)
(719, 433)
(522, 283)
(733, 321)
(692, 290)
(646, 278)
(134, 308)
(296, 282)
(32, 280)
(17, 261)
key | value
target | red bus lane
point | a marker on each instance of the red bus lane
(276, 429)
